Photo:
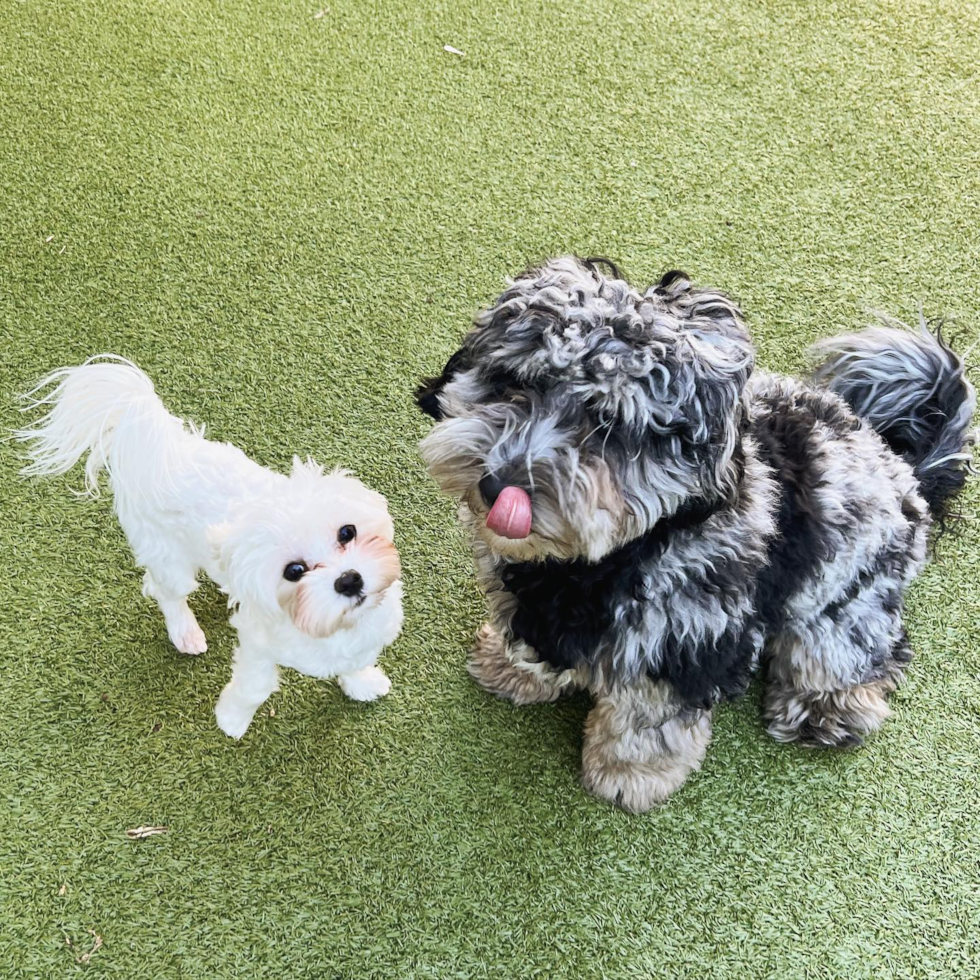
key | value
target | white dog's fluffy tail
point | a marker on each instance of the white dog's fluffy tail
(88, 403)
(913, 390)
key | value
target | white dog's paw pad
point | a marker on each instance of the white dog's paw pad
(190, 640)
(366, 685)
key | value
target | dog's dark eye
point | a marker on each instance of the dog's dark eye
(347, 534)
(294, 571)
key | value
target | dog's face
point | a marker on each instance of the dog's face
(318, 550)
(578, 411)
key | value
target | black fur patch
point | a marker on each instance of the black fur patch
(669, 279)
(593, 260)
(567, 609)
(785, 433)
(427, 393)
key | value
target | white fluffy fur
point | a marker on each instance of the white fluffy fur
(189, 505)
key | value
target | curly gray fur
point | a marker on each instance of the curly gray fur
(691, 519)
(912, 389)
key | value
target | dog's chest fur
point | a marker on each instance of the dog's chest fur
(343, 652)
(638, 612)
(568, 610)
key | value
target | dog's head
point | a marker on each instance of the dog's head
(578, 412)
(317, 548)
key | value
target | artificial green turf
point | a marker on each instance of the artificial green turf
(286, 218)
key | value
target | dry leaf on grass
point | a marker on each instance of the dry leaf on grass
(138, 833)
(452, 50)
(63, 890)
(320, 13)
(50, 238)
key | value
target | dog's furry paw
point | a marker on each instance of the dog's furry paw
(368, 684)
(828, 719)
(190, 640)
(630, 787)
(232, 716)
(638, 766)
(232, 719)
(491, 668)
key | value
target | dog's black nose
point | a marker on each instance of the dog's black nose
(350, 583)
(490, 488)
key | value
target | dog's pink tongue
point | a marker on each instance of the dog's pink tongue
(510, 516)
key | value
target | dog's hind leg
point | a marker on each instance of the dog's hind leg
(169, 579)
(510, 672)
(640, 746)
(806, 703)
(171, 588)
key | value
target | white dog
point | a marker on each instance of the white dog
(307, 560)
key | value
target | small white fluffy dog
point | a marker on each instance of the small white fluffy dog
(307, 560)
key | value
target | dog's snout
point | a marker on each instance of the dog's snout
(349, 583)
(491, 487)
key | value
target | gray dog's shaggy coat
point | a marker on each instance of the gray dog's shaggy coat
(691, 518)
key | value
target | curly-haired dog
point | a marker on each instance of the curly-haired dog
(651, 519)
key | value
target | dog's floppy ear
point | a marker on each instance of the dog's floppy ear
(673, 283)
(593, 260)
(427, 393)
(246, 580)
(427, 396)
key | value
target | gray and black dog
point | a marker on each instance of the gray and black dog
(652, 519)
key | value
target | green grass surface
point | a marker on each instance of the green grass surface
(286, 218)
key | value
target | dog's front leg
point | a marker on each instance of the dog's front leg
(640, 745)
(366, 684)
(511, 672)
(254, 677)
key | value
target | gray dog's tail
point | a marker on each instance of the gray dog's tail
(912, 389)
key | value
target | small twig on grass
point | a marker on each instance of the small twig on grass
(138, 833)
(451, 50)
(96, 946)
